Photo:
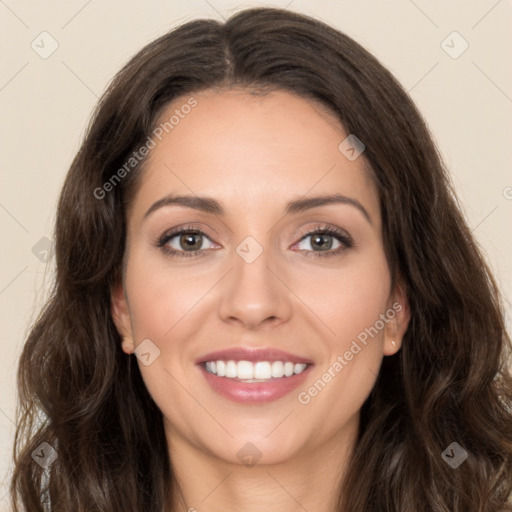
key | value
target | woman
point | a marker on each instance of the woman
(266, 295)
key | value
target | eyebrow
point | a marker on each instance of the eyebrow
(212, 206)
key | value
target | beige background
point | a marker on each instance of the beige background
(46, 103)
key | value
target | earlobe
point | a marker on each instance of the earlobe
(127, 345)
(399, 315)
(121, 316)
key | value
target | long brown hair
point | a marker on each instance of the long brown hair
(85, 398)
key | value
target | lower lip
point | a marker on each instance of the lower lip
(256, 392)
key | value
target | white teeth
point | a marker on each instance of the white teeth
(231, 370)
(244, 370)
(277, 369)
(262, 370)
(221, 368)
(299, 368)
(254, 372)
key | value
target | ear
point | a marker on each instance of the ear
(398, 315)
(120, 312)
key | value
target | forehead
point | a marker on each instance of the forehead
(251, 151)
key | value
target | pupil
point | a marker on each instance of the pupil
(320, 241)
(189, 241)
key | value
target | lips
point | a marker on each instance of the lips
(253, 355)
(254, 390)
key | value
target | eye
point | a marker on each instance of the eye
(190, 241)
(183, 242)
(323, 240)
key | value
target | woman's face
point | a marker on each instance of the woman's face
(257, 281)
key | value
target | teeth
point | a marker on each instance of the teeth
(262, 370)
(244, 370)
(231, 370)
(254, 372)
(277, 369)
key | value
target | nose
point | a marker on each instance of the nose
(255, 293)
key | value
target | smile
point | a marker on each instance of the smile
(249, 383)
(259, 371)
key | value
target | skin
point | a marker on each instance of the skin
(253, 154)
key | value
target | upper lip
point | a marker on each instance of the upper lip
(253, 355)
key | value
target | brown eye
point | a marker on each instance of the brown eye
(322, 241)
(183, 242)
(326, 241)
(192, 241)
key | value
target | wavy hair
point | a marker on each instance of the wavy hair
(450, 382)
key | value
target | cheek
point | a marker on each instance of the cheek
(165, 308)
(161, 297)
(168, 305)
(351, 308)
(350, 299)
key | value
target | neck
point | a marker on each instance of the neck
(309, 480)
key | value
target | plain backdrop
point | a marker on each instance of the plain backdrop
(452, 56)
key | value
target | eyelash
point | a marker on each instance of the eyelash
(342, 237)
